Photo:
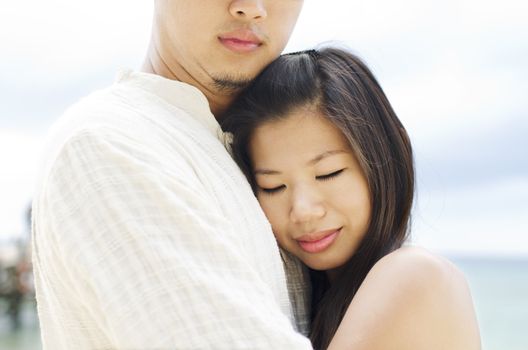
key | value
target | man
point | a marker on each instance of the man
(146, 234)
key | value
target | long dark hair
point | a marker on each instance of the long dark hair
(345, 91)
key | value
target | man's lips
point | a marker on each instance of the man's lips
(242, 40)
(318, 241)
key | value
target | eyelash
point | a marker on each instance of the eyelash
(329, 176)
(281, 188)
(273, 190)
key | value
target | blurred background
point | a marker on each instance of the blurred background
(456, 72)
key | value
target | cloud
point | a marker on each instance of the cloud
(58, 39)
(479, 155)
(487, 218)
(35, 106)
(57, 51)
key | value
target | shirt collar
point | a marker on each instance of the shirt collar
(182, 95)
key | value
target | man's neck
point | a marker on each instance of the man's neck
(154, 64)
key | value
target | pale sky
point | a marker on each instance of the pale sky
(456, 72)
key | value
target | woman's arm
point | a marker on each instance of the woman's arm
(410, 299)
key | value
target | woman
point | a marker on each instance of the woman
(332, 168)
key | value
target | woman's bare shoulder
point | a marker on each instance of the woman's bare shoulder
(411, 299)
(417, 266)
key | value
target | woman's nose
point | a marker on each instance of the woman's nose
(307, 205)
(248, 9)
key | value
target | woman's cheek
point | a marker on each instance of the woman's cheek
(275, 215)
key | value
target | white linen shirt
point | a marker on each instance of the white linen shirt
(146, 234)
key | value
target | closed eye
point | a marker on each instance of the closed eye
(273, 190)
(329, 176)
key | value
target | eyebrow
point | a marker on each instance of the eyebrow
(312, 161)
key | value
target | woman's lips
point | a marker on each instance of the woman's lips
(319, 241)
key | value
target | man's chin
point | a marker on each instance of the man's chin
(230, 85)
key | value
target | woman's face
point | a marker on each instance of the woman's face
(311, 188)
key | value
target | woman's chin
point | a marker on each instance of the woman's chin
(321, 264)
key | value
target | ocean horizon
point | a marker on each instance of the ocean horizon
(499, 286)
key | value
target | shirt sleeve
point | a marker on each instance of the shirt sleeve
(151, 257)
